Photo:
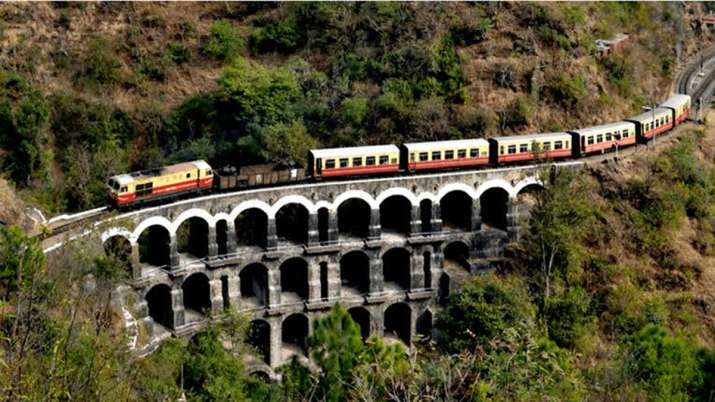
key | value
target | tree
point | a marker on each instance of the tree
(212, 373)
(20, 258)
(287, 142)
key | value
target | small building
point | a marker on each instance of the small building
(607, 46)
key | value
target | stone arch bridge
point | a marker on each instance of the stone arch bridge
(389, 249)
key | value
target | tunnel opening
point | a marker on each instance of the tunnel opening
(251, 228)
(119, 249)
(222, 236)
(158, 300)
(456, 256)
(192, 238)
(292, 223)
(197, 294)
(154, 246)
(254, 285)
(294, 280)
(259, 337)
(323, 224)
(396, 269)
(494, 204)
(294, 332)
(355, 273)
(354, 218)
(427, 268)
(424, 324)
(456, 210)
(426, 216)
(361, 317)
(397, 322)
(395, 215)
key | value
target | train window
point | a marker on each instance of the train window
(436, 155)
(662, 120)
(473, 153)
(343, 162)
(547, 145)
(144, 189)
(599, 138)
(208, 172)
(357, 161)
(567, 144)
(558, 145)
(462, 153)
(523, 148)
(123, 189)
(330, 164)
(608, 136)
(625, 133)
(484, 154)
(384, 159)
(394, 161)
(370, 160)
(501, 150)
(448, 154)
(590, 140)
(424, 156)
(412, 157)
(512, 149)
(188, 175)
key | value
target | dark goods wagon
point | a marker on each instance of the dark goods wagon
(229, 178)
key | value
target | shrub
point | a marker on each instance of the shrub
(568, 317)
(517, 114)
(178, 53)
(282, 36)
(101, 64)
(224, 42)
(355, 109)
(565, 89)
(619, 72)
(155, 68)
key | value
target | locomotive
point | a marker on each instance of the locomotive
(197, 177)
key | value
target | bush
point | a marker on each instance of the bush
(282, 36)
(565, 89)
(620, 73)
(178, 53)
(155, 68)
(224, 42)
(101, 64)
(568, 317)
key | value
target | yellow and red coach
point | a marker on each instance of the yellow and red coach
(354, 161)
(445, 154)
(680, 105)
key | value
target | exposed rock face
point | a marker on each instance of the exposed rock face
(12, 209)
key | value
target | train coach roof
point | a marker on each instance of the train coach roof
(531, 137)
(127, 178)
(676, 100)
(604, 128)
(648, 116)
(470, 142)
(354, 151)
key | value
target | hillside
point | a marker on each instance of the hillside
(116, 87)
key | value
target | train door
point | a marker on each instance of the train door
(318, 166)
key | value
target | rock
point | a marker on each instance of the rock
(13, 209)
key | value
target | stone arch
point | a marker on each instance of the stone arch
(155, 246)
(119, 248)
(294, 280)
(192, 213)
(259, 337)
(293, 199)
(456, 209)
(254, 285)
(396, 214)
(149, 222)
(158, 300)
(494, 204)
(354, 194)
(197, 293)
(494, 183)
(251, 227)
(353, 218)
(362, 317)
(192, 237)
(456, 255)
(456, 187)
(424, 324)
(118, 231)
(396, 269)
(401, 191)
(292, 221)
(251, 204)
(527, 195)
(527, 182)
(398, 322)
(355, 273)
(294, 331)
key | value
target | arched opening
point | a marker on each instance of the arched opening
(294, 280)
(324, 280)
(424, 324)
(456, 210)
(259, 337)
(426, 216)
(395, 215)
(398, 321)
(294, 331)
(354, 273)
(254, 285)
(353, 218)
(494, 203)
(292, 223)
(323, 224)
(154, 246)
(528, 197)
(197, 295)
(192, 238)
(362, 318)
(456, 257)
(396, 269)
(224, 292)
(119, 249)
(222, 236)
(427, 268)
(158, 299)
(444, 286)
(251, 226)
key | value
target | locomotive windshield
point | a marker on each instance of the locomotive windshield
(113, 184)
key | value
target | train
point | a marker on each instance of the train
(198, 177)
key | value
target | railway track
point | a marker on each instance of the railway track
(690, 81)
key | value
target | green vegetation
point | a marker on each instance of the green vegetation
(224, 42)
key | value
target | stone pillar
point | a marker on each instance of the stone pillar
(436, 267)
(376, 277)
(436, 218)
(415, 220)
(314, 283)
(313, 234)
(177, 307)
(333, 280)
(476, 223)
(234, 290)
(271, 236)
(216, 294)
(417, 275)
(274, 287)
(377, 320)
(332, 225)
(512, 219)
(173, 252)
(275, 343)
(231, 242)
(213, 245)
(374, 229)
(134, 262)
